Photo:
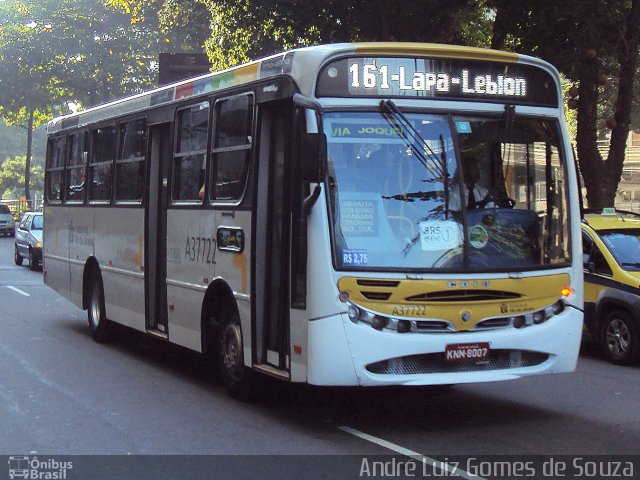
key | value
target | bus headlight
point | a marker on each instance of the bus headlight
(539, 316)
(356, 315)
(379, 322)
(353, 312)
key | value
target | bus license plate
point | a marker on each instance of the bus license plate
(458, 352)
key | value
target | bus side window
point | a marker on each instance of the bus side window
(101, 165)
(55, 168)
(231, 147)
(190, 152)
(75, 168)
(130, 165)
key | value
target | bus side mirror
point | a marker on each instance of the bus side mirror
(312, 155)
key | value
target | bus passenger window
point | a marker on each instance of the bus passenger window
(232, 147)
(191, 147)
(75, 170)
(130, 165)
(100, 167)
(55, 168)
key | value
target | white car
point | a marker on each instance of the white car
(6, 221)
(28, 243)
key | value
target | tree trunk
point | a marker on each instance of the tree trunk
(601, 177)
(591, 163)
(27, 167)
(628, 59)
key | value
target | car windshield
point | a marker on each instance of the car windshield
(399, 192)
(624, 245)
(37, 222)
(4, 209)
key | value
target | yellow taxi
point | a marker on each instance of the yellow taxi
(611, 258)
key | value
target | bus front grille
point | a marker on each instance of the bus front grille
(436, 363)
(493, 323)
(433, 326)
(380, 296)
(463, 296)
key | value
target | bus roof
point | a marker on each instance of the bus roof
(296, 63)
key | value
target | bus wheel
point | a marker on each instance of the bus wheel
(96, 313)
(233, 372)
(17, 257)
(619, 338)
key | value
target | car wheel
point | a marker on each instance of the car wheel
(619, 338)
(33, 261)
(16, 256)
(240, 380)
(96, 313)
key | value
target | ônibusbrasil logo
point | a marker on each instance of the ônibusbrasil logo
(34, 468)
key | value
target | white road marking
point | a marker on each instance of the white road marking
(21, 292)
(410, 453)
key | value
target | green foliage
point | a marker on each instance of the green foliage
(12, 177)
(13, 140)
(244, 29)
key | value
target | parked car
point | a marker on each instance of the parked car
(7, 224)
(28, 241)
(611, 257)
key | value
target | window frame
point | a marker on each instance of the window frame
(129, 160)
(92, 164)
(215, 151)
(176, 154)
(57, 169)
(69, 167)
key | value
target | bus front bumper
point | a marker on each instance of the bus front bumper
(344, 353)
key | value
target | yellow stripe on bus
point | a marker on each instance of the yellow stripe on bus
(435, 50)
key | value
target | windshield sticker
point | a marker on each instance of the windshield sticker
(358, 218)
(478, 236)
(439, 235)
(463, 127)
(355, 257)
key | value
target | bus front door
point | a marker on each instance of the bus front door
(155, 242)
(272, 241)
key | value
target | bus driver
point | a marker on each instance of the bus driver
(474, 195)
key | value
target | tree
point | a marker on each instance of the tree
(241, 30)
(12, 177)
(58, 51)
(247, 29)
(25, 94)
(591, 42)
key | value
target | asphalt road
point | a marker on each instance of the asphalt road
(63, 394)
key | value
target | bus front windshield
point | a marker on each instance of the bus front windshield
(425, 192)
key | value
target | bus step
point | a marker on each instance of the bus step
(157, 334)
(272, 371)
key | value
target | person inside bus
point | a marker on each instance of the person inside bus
(475, 195)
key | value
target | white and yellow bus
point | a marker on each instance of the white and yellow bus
(307, 216)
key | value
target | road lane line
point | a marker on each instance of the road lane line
(410, 453)
(16, 289)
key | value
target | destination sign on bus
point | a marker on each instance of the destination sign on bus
(438, 78)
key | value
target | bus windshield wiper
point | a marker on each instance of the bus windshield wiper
(630, 264)
(411, 137)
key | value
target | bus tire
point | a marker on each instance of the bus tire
(96, 313)
(17, 257)
(238, 379)
(619, 338)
